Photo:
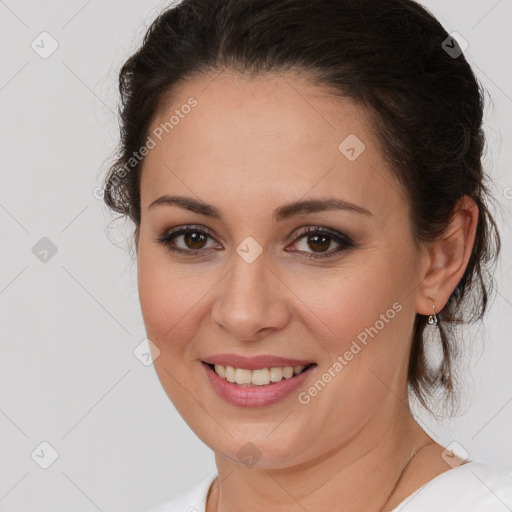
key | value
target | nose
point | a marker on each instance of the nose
(252, 301)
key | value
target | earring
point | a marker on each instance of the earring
(432, 319)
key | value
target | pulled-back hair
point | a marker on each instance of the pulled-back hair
(394, 58)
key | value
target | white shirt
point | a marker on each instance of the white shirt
(471, 487)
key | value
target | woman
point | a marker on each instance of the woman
(305, 181)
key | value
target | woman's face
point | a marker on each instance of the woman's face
(250, 281)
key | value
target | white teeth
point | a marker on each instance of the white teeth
(243, 376)
(230, 374)
(221, 370)
(288, 372)
(259, 377)
(276, 374)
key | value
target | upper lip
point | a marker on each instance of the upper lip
(254, 362)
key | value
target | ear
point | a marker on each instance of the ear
(447, 258)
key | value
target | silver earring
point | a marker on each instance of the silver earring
(432, 319)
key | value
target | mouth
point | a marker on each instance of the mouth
(259, 386)
(258, 377)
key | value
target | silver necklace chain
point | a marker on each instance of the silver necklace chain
(402, 471)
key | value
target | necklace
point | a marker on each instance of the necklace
(402, 471)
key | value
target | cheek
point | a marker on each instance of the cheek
(165, 297)
(362, 323)
(168, 300)
(156, 301)
(342, 303)
(172, 297)
(362, 328)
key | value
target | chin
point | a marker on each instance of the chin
(258, 452)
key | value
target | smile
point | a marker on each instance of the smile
(258, 387)
(258, 377)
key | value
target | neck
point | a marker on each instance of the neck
(372, 460)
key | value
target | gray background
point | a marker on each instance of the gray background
(68, 375)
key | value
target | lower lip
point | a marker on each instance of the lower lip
(255, 396)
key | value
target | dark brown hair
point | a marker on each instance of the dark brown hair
(394, 58)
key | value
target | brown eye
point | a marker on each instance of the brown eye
(318, 241)
(187, 240)
(195, 240)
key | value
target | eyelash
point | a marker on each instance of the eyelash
(346, 243)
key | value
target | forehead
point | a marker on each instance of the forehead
(276, 136)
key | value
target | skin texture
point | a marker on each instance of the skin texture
(248, 147)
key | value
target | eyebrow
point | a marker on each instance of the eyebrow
(281, 213)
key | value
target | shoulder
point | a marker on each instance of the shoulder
(471, 487)
(192, 500)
